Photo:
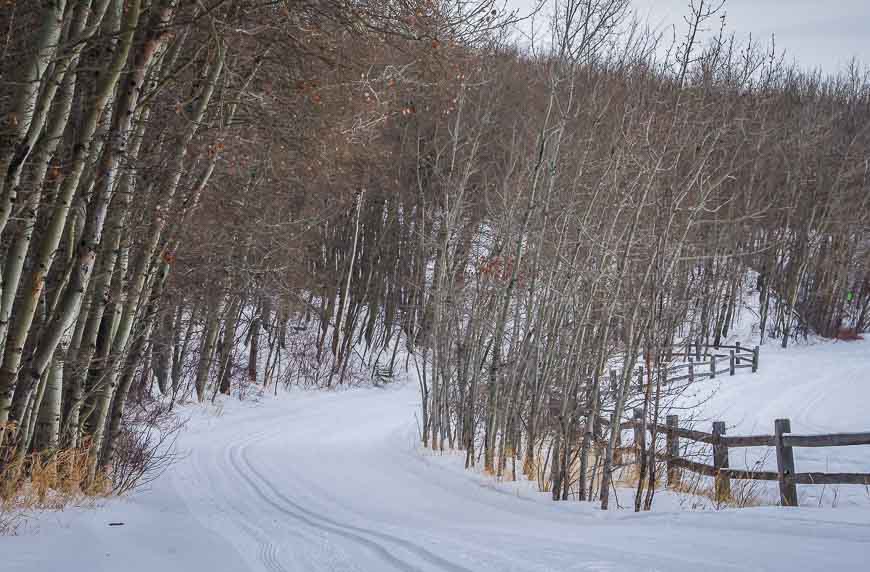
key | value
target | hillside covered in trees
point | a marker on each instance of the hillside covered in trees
(219, 196)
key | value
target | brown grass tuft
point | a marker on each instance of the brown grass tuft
(848, 335)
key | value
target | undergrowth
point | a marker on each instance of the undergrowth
(55, 479)
(692, 491)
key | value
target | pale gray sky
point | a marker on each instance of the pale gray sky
(815, 33)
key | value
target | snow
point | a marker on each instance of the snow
(821, 386)
(336, 481)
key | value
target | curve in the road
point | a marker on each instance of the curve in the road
(257, 482)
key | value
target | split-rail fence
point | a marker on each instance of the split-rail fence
(782, 439)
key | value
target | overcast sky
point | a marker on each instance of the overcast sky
(815, 33)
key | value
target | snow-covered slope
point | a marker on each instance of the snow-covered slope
(823, 387)
(335, 481)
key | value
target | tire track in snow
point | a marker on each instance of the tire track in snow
(222, 495)
(267, 554)
(266, 551)
(378, 549)
(240, 460)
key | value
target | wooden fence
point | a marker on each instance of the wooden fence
(704, 361)
(782, 440)
(709, 361)
(701, 362)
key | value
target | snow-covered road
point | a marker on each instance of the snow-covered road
(335, 481)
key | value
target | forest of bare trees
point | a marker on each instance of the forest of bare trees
(216, 196)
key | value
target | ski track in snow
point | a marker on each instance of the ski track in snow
(336, 482)
(354, 533)
(236, 466)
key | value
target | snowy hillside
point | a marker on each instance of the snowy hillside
(820, 385)
(822, 388)
(285, 486)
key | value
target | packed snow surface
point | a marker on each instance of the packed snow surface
(821, 388)
(336, 481)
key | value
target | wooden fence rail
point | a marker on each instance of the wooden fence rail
(695, 367)
(782, 440)
(738, 357)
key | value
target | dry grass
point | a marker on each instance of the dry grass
(51, 480)
(697, 492)
(57, 479)
(11, 517)
(848, 335)
(694, 491)
(47, 478)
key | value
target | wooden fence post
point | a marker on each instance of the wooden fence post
(720, 461)
(698, 349)
(712, 365)
(785, 464)
(673, 445)
(688, 349)
(639, 434)
(691, 371)
(737, 345)
(755, 359)
(731, 365)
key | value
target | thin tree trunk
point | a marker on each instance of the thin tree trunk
(48, 422)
